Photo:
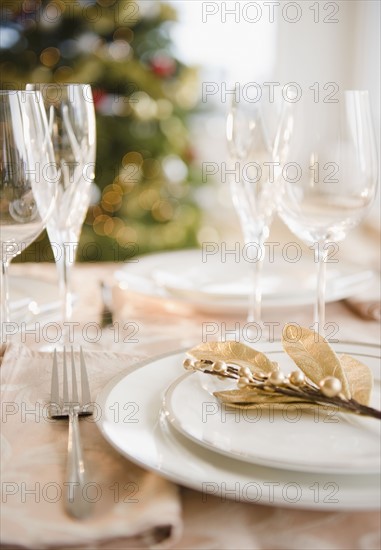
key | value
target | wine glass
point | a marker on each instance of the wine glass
(331, 177)
(257, 135)
(28, 178)
(71, 119)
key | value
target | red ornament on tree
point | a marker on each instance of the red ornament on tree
(190, 154)
(163, 66)
(98, 96)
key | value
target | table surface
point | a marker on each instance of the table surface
(214, 523)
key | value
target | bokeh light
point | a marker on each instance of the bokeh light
(143, 95)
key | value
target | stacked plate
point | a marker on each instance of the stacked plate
(171, 423)
(32, 299)
(222, 281)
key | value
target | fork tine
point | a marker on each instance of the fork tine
(74, 395)
(65, 396)
(85, 387)
(54, 391)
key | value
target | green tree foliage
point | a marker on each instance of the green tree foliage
(145, 175)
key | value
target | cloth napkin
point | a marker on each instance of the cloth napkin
(369, 310)
(132, 507)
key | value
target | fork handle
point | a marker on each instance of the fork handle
(76, 503)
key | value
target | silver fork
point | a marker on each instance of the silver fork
(62, 408)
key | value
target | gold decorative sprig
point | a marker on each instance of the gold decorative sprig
(323, 377)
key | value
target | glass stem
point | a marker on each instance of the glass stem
(64, 263)
(319, 316)
(255, 298)
(5, 317)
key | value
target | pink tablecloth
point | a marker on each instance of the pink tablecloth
(146, 327)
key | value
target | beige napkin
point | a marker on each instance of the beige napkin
(130, 503)
(369, 310)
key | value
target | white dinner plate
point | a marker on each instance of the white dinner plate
(131, 419)
(293, 439)
(217, 282)
(31, 298)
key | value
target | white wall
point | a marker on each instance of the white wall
(367, 62)
(313, 49)
(346, 52)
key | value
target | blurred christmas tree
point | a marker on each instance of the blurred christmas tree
(145, 172)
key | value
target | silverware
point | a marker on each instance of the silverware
(71, 408)
(106, 314)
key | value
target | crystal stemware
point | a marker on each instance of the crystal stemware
(28, 178)
(330, 180)
(71, 119)
(257, 135)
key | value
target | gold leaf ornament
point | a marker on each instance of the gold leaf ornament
(254, 397)
(314, 356)
(324, 379)
(360, 379)
(234, 353)
(278, 406)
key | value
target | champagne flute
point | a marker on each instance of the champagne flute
(71, 119)
(28, 178)
(333, 177)
(257, 135)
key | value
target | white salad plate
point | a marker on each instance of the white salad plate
(217, 282)
(318, 441)
(132, 419)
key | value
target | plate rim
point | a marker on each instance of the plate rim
(201, 302)
(353, 503)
